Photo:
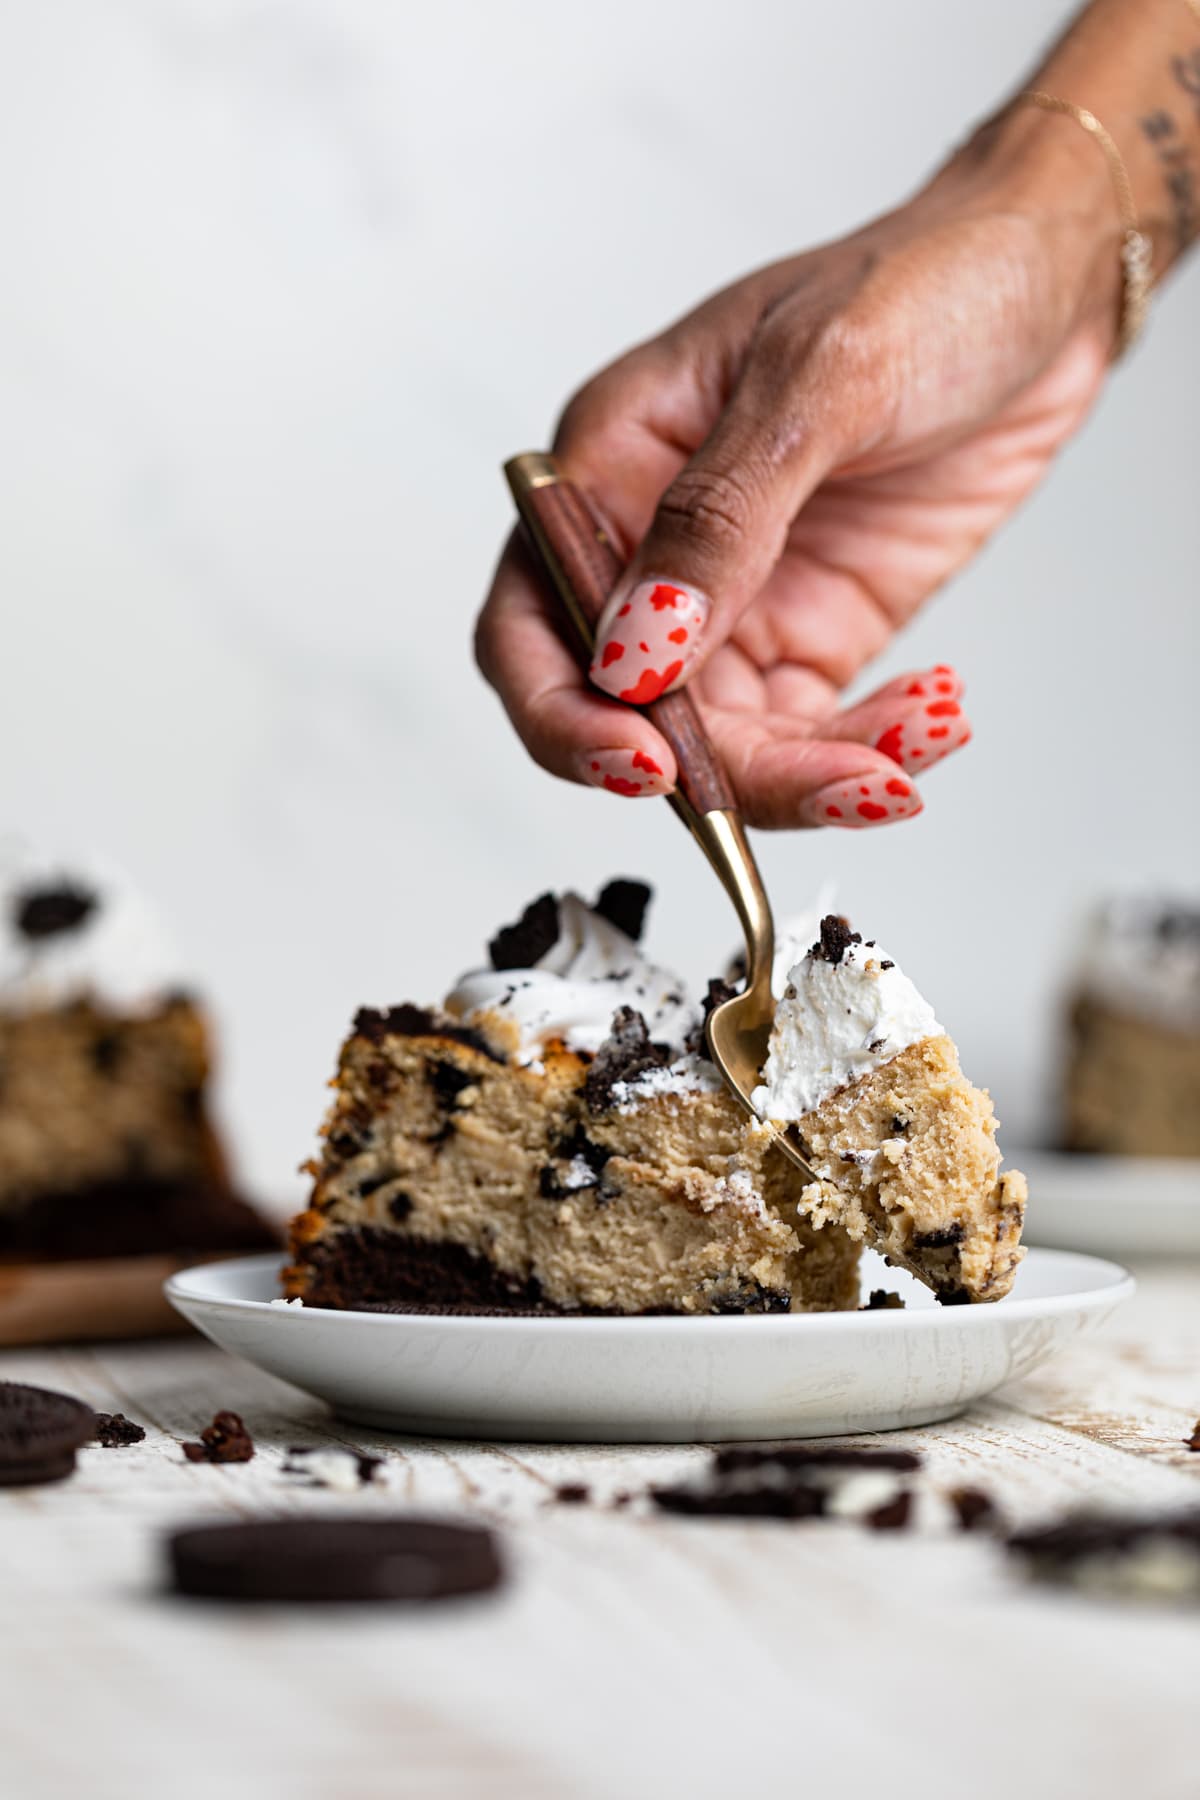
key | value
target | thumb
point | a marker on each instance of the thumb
(717, 533)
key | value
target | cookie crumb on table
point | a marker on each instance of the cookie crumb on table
(225, 1440)
(115, 1432)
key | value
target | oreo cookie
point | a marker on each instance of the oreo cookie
(40, 1431)
(331, 1560)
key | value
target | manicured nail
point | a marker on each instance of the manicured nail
(629, 772)
(931, 724)
(649, 641)
(873, 800)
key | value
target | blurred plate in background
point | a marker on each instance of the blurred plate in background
(1113, 1205)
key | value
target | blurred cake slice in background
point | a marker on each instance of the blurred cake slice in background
(1132, 1076)
(107, 1148)
(903, 1145)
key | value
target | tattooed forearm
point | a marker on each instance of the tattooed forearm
(1178, 162)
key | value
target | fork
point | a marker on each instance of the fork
(581, 568)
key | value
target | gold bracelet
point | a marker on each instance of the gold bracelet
(1137, 251)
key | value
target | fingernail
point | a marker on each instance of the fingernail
(629, 772)
(649, 641)
(931, 725)
(873, 800)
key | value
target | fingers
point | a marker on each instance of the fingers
(784, 780)
(916, 720)
(564, 723)
(718, 531)
(851, 771)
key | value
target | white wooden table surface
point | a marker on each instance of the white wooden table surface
(631, 1653)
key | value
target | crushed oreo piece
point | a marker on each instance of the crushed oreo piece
(400, 1205)
(331, 1466)
(974, 1510)
(115, 1432)
(407, 1020)
(578, 1164)
(815, 1456)
(799, 1481)
(883, 1300)
(1148, 1556)
(623, 903)
(625, 1054)
(836, 938)
(573, 1493)
(226, 1440)
(522, 945)
(893, 1515)
(766, 1500)
(900, 1126)
(718, 992)
(1193, 1443)
(47, 912)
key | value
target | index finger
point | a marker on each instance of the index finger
(566, 724)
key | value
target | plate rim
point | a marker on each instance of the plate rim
(1114, 1285)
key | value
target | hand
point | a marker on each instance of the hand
(796, 466)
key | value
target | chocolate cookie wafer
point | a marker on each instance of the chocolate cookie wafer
(40, 1432)
(334, 1559)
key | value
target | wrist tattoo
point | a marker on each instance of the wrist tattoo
(1178, 165)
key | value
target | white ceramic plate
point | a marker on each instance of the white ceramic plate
(654, 1380)
(1118, 1205)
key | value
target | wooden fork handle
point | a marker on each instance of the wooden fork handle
(582, 568)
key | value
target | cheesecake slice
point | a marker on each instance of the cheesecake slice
(1132, 1077)
(107, 1143)
(554, 1138)
(904, 1147)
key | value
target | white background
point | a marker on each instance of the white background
(281, 287)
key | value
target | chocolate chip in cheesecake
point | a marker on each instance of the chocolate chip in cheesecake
(115, 1432)
(623, 903)
(40, 913)
(573, 1493)
(1193, 1443)
(522, 945)
(626, 1053)
(944, 1238)
(448, 1082)
(836, 938)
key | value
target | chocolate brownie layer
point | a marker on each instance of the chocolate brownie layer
(131, 1218)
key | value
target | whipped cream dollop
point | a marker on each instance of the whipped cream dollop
(846, 1009)
(78, 930)
(574, 987)
(1141, 956)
